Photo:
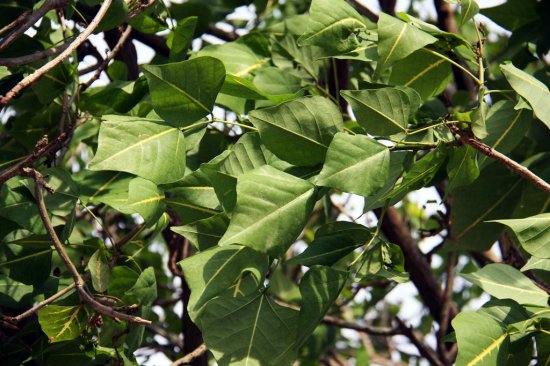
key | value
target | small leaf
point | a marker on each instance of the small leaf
(146, 199)
(332, 242)
(180, 38)
(542, 264)
(142, 147)
(505, 282)
(468, 8)
(383, 111)
(62, 323)
(299, 131)
(355, 164)
(533, 233)
(272, 209)
(397, 40)
(184, 92)
(481, 340)
(205, 233)
(534, 91)
(99, 270)
(332, 25)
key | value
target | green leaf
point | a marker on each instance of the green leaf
(184, 92)
(462, 167)
(505, 282)
(355, 164)
(287, 55)
(259, 330)
(98, 266)
(240, 58)
(332, 242)
(423, 71)
(398, 40)
(275, 81)
(142, 147)
(14, 294)
(299, 131)
(320, 288)
(542, 264)
(533, 233)
(382, 111)
(534, 91)
(144, 290)
(110, 188)
(506, 127)
(504, 311)
(272, 209)
(27, 255)
(62, 323)
(481, 340)
(180, 39)
(492, 195)
(20, 207)
(146, 199)
(421, 173)
(212, 272)
(332, 25)
(205, 233)
(468, 8)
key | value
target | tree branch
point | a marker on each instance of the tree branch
(80, 284)
(468, 139)
(32, 18)
(424, 350)
(197, 352)
(27, 59)
(364, 11)
(4, 100)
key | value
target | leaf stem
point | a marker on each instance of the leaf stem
(252, 128)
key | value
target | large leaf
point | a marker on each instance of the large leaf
(398, 40)
(534, 91)
(491, 196)
(249, 331)
(423, 71)
(505, 282)
(482, 341)
(332, 25)
(142, 147)
(272, 209)
(383, 111)
(506, 126)
(299, 131)
(533, 233)
(355, 164)
(183, 92)
(213, 271)
(332, 242)
(62, 323)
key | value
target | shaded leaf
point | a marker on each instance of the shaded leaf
(180, 39)
(204, 233)
(98, 266)
(533, 233)
(146, 199)
(462, 168)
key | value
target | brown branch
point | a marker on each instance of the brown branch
(126, 52)
(105, 62)
(361, 328)
(197, 352)
(32, 18)
(157, 43)
(388, 6)
(446, 306)
(42, 148)
(468, 139)
(424, 350)
(397, 231)
(142, 5)
(20, 19)
(4, 100)
(27, 59)
(80, 284)
(221, 34)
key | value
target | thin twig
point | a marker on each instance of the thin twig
(361, 328)
(190, 356)
(33, 18)
(515, 167)
(80, 284)
(4, 100)
(27, 59)
(424, 350)
(20, 19)
(446, 306)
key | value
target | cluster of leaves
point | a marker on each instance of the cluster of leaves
(151, 156)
